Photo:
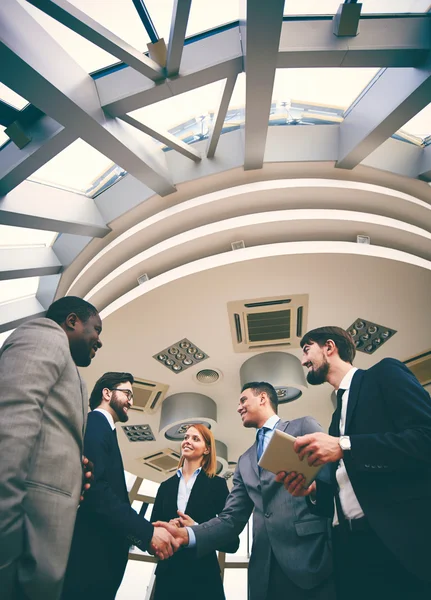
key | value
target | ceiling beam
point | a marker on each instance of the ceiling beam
(165, 137)
(260, 33)
(62, 90)
(14, 313)
(28, 262)
(425, 166)
(177, 35)
(66, 13)
(51, 209)
(48, 138)
(218, 122)
(346, 19)
(8, 114)
(210, 59)
(392, 99)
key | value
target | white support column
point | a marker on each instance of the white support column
(392, 99)
(221, 115)
(48, 138)
(66, 13)
(28, 262)
(62, 90)
(51, 209)
(261, 39)
(180, 17)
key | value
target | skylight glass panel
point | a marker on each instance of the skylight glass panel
(187, 116)
(3, 137)
(420, 125)
(9, 96)
(78, 167)
(4, 336)
(330, 7)
(22, 236)
(161, 15)
(15, 289)
(334, 88)
(236, 111)
(89, 56)
(207, 14)
(120, 17)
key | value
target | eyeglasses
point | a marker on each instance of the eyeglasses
(128, 393)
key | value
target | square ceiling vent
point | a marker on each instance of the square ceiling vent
(420, 366)
(180, 356)
(165, 461)
(369, 336)
(268, 323)
(148, 395)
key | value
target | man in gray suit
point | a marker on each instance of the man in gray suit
(43, 411)
(290, 556)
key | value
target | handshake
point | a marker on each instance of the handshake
(168, 537)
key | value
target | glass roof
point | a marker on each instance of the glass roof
(9, 96)
(4, 336)
(13, 289)
(78, 167)
(22, 236)
(3, 137)
(330, 7)
(420, 125)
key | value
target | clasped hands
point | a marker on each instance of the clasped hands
(319, 449)
(168, 537)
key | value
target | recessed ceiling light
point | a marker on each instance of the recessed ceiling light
(180, 356)
(369, 336)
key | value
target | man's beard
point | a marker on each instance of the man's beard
(319, 375)
(118, 407)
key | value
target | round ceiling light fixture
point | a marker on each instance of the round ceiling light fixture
(208, 376)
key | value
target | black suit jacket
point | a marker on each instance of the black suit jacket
(389, 423)
(207, 499)
(106, 524)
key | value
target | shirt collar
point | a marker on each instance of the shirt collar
(107, 415)
(346, 382)
(271, 422)
(180, 472)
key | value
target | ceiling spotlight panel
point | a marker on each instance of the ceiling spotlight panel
(369, 336)
(180, 356)
(138, 433)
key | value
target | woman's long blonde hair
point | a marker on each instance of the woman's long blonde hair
(209, 461)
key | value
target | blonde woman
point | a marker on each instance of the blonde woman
(193, 495)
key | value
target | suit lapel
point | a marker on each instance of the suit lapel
(353, 397)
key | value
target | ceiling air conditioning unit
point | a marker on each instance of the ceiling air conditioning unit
(148, 395)
(165, 461)
(420, 365)
(268, 322)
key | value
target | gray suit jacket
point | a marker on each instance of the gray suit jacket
(281, 524)
(43, 410)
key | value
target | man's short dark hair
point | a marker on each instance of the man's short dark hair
(63, 307)
(258, 387)
(343, 340)
(110, 380)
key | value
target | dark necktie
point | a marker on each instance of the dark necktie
(337, 413)
(337, 417)
(260, 438)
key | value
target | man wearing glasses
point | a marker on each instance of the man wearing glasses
(106, 525)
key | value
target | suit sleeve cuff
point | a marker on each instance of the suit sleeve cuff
(192, 538)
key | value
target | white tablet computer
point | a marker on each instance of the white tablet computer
(280, 456)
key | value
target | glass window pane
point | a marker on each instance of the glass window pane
(187, 115)
(76, 168)
(9, 96)
(420, 125)
(13, 289)
(135, 581)
(161, 15)
(235, 115)
(207, 14)
(333, 87)
(130, 480)
(21, 236)
(120, 17)
(149, 488)
(235, 584)
(89, 56)
(3, 137)
(330, 7)
(4, 336)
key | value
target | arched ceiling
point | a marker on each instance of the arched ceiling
(262, 126)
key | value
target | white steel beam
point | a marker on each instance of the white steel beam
(48, 138)
(51, 209)
(79, 22)
(180, 17)
(62, 90)
(392, 99)
(165, 138)
(221, 115)
(8, 114)
(14, 313)
(28, 262)
(260, 34)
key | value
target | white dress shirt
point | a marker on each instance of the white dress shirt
(270, 424)
(107, 415)
(185, 488)
(348, 500)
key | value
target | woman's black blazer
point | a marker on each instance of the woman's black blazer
(207, 500)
